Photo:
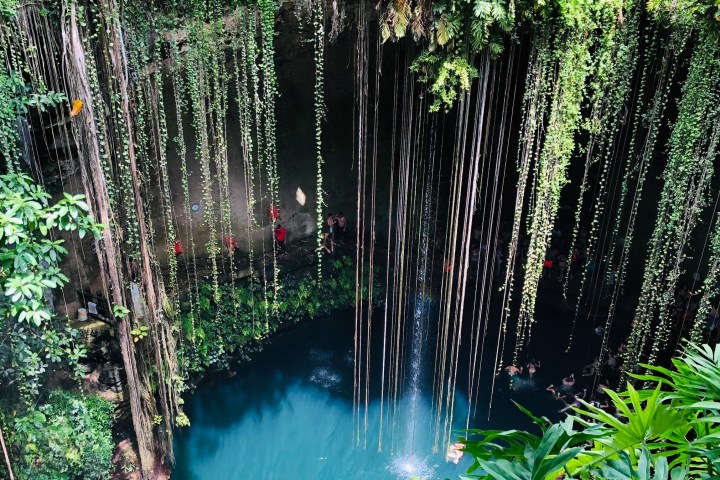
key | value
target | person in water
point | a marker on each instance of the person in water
(575, 403)
(532, 367)
(454, 452)
(556, 393)
(591, 368)
(512, 370)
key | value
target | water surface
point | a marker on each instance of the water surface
(288, 414)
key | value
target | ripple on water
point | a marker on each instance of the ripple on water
(318, 355)
(522, 384)
(325, 377)
(349, 358)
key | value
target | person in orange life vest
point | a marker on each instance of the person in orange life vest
(280, 234)
(231, 244)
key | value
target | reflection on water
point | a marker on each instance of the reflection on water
(288, 415)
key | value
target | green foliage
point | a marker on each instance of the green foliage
(139, 333)
(668, 430)
(686, 12)
(489, 21)
(219, 329)
(120, 311)
(68, 437)
(182, 420)
(8, 8)
(17, 100)
(442, 28)
(444, 61)
(446, 74)
(687, 179)
(21, 98)
(29, 265)
(579, 27)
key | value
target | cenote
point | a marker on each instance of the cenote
(289, 411)
(343, 239)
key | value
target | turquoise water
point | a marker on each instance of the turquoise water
(288, 413)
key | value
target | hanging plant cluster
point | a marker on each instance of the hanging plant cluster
(440, 29)
(319, 97)
(692, 149)
(614, 63)
(581, 28)
(268, 9)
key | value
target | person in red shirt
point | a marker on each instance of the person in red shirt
(274, 213)
(280, 234)
(231, 245)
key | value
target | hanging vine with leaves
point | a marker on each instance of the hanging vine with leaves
(692, 148)
(319, 50)
(572, 47)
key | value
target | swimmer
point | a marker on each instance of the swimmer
(591, 369)
(532, 367)
(556, 393)
(614, 360)
(604, 405)
(575, 403)
(569, 381)
(512, 370)
(454, 452)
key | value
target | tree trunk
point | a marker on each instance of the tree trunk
(108, 254)
(7, 457)
(150, 287)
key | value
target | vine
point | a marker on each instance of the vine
(319, 29)
(692, 149)
(615, 60)
(269, 93)
(199, 89)
(181, 148)
(245, 44)
(578, 21)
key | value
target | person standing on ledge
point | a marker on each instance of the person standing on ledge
(280, 233)
(328, 234)
(341, 225)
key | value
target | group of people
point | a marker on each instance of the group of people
(570, 393)
(561, 259)
(333, 232)
(530, 368)
(685, 308)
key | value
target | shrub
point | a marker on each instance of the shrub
(67, 438)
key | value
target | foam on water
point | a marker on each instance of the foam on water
(406, 467)
(325, 377)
